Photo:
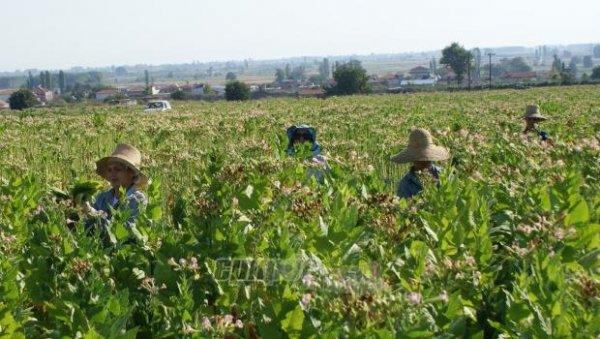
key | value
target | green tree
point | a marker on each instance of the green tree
(147, 78)
(585, 77)
(11, 82)
(288, 71)
(556, 65)
(350, 78)
(477, 58)
(595, 73)
(22, 99)
(497, 69)
(588, 62)
(457, 58)
(62, 83)
(30, 81)
(42, 79)
(518, 64)
(48, 80)
(120, 70)
(178, 95)
(279, 75)
(316, 79)
(93, 79)
(597, 51)
(573, 68)
(298, 73)
(237, 91)
(324, 70)
(230, 76)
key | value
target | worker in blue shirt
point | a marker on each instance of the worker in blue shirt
(421, 152)
(532, 117)
(299, 135)
(122, 170)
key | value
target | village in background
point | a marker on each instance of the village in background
(516, 67)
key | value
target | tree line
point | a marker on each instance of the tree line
(62, 81)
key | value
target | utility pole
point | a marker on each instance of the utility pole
(469, 58)
(469, 71)
(490, 55)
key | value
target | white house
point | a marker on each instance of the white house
(419, 73)
(197, 89)
(218, 89)
(43, 94)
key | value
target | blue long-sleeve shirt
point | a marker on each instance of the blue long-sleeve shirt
(134, 201)
(541, 133)
(317, 169)
(410, 184)
(319, 164)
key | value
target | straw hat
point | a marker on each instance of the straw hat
(421, 148)
(533, 112)
(130, 157)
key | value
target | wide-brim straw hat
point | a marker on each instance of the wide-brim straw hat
(533, 112)
(130, 157)
(421, 148)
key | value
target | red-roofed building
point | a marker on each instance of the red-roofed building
(140, 91)
(43, 94)
(105, 93)
(168, 89)
(393, 80)
(446, 77)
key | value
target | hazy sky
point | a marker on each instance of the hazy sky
(53, 34)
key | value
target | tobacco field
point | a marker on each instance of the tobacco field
(236, 243)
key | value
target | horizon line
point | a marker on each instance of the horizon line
(286, 58)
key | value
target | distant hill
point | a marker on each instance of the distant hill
(576, 49)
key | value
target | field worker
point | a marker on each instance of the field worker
(532, 117)
(421, 151)
(304, 136)
(122, 170)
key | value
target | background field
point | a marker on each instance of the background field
(508, 244)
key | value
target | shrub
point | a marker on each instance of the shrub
(22, 99)
(237, 90)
